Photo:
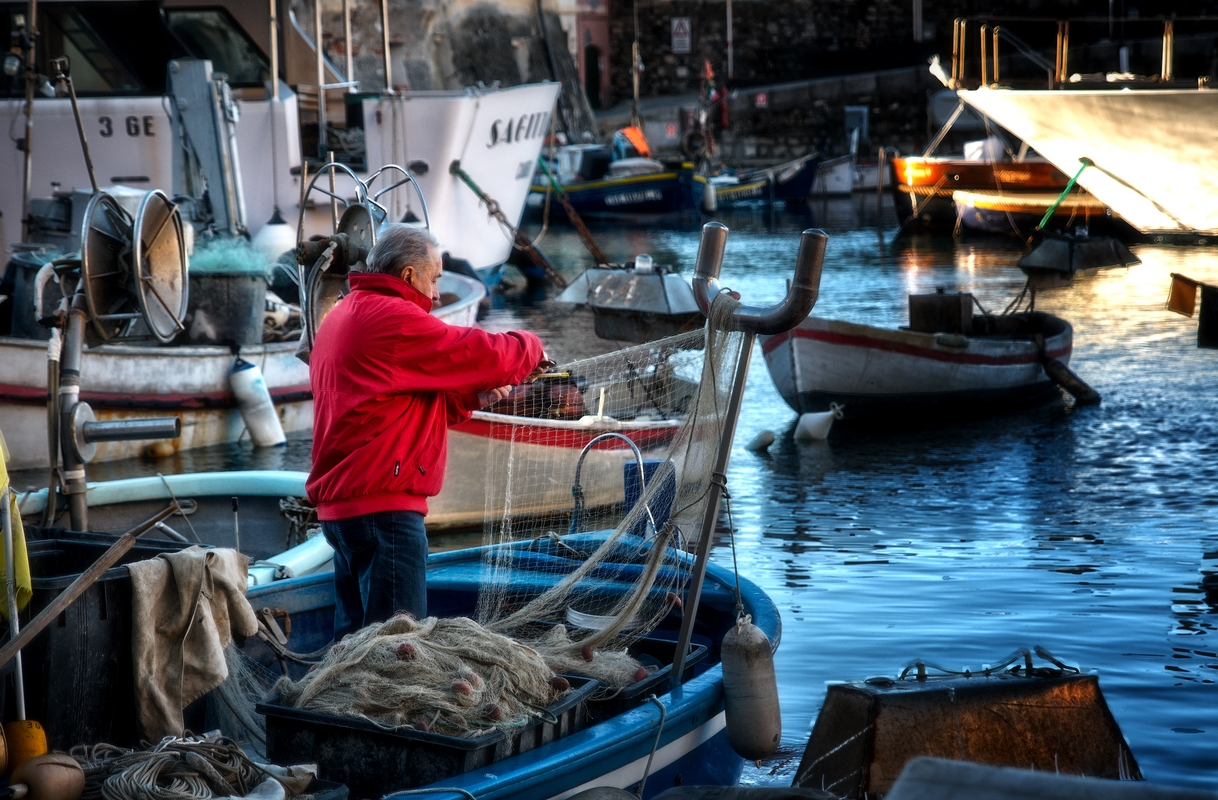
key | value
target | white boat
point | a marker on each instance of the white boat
(191, 382)
(835, 177)
(1155, 151)
(880, 372)
(496, 134)
(543, 447)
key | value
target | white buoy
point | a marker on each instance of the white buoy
(274, 238)
(817, 424)
(254, 402)
(760, 442)
(709, 202)
(750, 691)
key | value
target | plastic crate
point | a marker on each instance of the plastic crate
(652, 651)
(373, 761)
(79, 679)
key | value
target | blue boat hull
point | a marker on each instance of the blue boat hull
(693, 746)
(673, 192)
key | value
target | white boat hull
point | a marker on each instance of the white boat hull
(548, 449)
(1155, 151)
(879, 372)
(834, 178)
(126, 382)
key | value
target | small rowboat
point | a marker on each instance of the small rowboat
(877, 372)
(1019, 213)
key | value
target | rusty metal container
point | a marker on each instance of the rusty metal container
(941, 312)
(1052, 721)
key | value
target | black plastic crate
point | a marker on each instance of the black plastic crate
(79, 678)
(325, 790)
(373, 761)
(652, 651)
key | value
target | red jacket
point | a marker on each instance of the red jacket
(388, 380)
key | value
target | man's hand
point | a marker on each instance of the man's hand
(492, 396)
(542, 367)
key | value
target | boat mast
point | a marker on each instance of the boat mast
(29, 37)
(635, 118)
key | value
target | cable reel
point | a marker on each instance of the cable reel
(323, 263)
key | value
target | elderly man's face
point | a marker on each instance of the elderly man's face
(426, 276)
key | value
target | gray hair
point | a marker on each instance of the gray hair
(399, 245)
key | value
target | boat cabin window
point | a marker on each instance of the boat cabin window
(212, 34)
(95, 66)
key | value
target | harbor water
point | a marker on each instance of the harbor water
(1091, 531)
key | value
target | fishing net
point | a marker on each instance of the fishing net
(563, 465)
(450, 676)
(551, 603)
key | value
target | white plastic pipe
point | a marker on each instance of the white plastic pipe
(302, 559)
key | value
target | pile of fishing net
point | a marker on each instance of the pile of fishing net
(449, 676)
(186, 768)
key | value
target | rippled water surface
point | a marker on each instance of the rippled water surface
(1089, 531)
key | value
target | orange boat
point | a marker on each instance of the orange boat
(922, 187)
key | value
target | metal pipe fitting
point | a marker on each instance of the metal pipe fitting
(801, 295)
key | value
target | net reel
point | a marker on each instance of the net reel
(134, 269)
(323, 263)
(129, 284)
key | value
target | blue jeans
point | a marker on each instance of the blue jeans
(380, 568)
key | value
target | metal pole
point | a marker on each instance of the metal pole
(955, 53)
(985, 57)
(963, 57)
(385, 45)
(347, 45)
(1169, 35)
(69, 396)
(711, 515)
(274, 57)
(321, 83)
(996, 30)
(1057, 67)
(274, 110)
(10, 581)
(31, 81)
(1066, 52)
(333, 196)
(62, 68)
(879, 185)
(54, 347)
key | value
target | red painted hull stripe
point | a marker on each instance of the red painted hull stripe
(32, 395)
(869, 343)
(646, 438)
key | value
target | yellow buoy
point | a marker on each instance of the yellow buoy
(750, 691)
(25, 740)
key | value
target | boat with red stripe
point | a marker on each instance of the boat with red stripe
(879, 372)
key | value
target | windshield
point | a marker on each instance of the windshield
(212, 34)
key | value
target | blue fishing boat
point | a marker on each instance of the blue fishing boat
(624, 187)
(685, 727)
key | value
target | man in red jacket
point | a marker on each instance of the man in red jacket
(388, 380)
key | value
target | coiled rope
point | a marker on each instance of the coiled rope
(186, 768)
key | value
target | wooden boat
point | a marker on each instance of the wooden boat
(127, 381)
(878, 372)
(922, 187)
(596, 186)
(692, 748)
(547, 446)
(1019, 213)
(789, 181)
(835, 177)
